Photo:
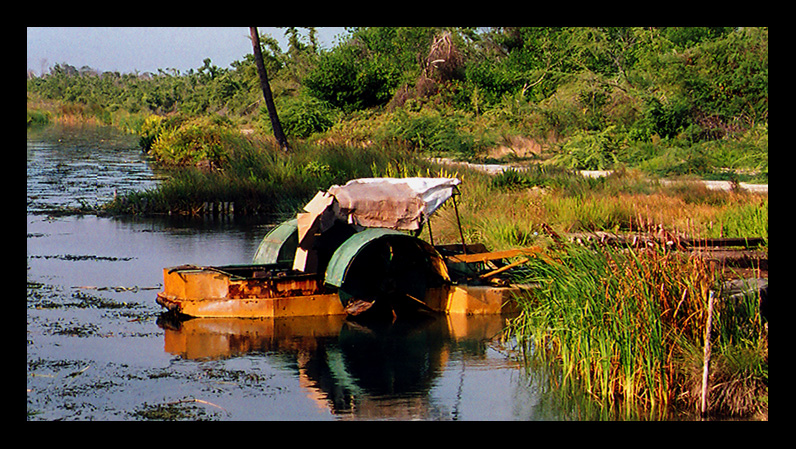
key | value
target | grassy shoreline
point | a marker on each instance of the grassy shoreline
(624, 326)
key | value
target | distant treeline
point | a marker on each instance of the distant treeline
(679, 99)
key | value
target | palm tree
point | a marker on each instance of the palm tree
(269, 99)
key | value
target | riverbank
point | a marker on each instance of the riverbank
(503, 210)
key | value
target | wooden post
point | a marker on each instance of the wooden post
(706, 356)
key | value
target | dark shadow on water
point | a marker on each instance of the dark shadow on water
(348, 366)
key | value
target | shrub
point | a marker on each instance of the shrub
(435, 132)
(300, 116)
(36, 117)
(198, 139)
(590, 150)
(347, 80)
(667, 120)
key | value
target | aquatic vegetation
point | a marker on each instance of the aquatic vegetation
(37, 117)
(186, 410)
(255, 176)
(619, 321)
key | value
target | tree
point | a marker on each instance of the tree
(266, 87)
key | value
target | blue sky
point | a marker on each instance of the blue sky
(147, 49)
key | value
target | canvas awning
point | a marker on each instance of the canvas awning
(396, 203)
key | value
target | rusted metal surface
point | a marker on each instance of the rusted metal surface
(245, 291)
(324, 262)
(495, 255)
(357, 283)
(209, 293)
(474, 299)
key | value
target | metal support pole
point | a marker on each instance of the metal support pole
(458, 222)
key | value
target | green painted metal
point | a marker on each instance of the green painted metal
(279, 245)
(345, 253)
(343, 257)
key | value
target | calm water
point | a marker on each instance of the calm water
(99, 349)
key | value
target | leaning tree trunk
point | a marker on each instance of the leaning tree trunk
(269, 99)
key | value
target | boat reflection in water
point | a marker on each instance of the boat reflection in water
(353, 369)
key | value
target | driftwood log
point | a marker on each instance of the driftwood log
(737, 252)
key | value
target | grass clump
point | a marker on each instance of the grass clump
(436, 132)
(618, 322)
(38, 117)
(250, 171)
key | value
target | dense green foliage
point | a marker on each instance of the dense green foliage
(669, 100)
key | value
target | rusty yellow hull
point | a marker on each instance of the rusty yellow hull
(245, 292)
(314, 305)
(258, 292)
(473, 299)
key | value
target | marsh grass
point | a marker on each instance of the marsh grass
(621, 324)
(613, 319)
(521, 208)
(618, 322)
(258, 177)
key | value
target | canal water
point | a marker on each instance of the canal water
(99, 348)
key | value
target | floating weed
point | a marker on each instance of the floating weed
(81, 257)
(76, 330)
(43, 296)
(172, 411)
(98, 302)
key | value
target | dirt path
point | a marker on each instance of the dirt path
(499, 168)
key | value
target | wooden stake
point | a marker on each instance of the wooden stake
(706, 358)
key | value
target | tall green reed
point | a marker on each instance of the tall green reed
(613, 319)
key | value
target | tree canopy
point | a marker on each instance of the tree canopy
(638, 83)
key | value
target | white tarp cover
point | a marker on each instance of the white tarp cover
(397, 203)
